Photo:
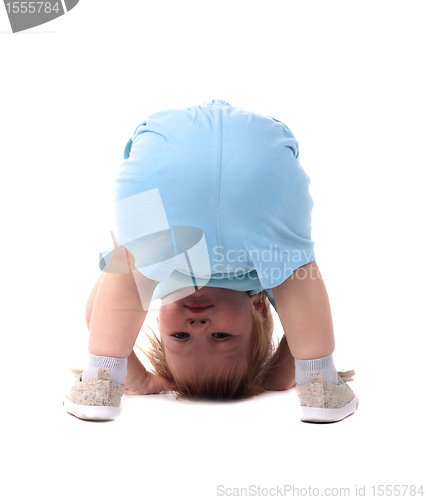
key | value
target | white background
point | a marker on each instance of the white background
(348, 78)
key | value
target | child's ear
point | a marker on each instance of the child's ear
(258, 304)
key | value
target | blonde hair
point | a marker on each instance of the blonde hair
(236, 382)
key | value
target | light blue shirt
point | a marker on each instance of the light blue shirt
(232, 173)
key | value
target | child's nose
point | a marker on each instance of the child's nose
(198, 324)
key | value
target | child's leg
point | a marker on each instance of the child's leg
(135, 370)
(304, 311)
(91, 299)
(115, 321)
(117, 316)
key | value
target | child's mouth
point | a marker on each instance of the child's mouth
(197, 307)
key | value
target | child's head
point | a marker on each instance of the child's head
(214, 343)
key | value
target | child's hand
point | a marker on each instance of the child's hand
(282, 376)
(148, 384)
(140, 381)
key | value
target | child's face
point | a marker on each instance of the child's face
(207, 329)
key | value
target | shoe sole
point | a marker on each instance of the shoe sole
(87, 412)
(319, 415)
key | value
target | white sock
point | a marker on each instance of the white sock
(118, 367)
(325, 366)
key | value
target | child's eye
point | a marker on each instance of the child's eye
(220, 335)
(181, 335)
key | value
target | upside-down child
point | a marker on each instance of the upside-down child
(212, 214)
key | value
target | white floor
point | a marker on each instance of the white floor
(163, 448)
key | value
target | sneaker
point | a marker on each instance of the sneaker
(97, 398)
(324, 402)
